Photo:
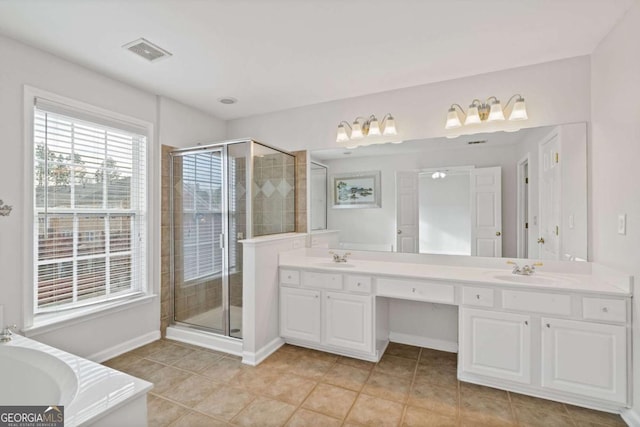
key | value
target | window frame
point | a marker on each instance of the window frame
(151, 251)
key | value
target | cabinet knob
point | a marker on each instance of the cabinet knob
(413, 289)
(358, 283)
(605, 310)
(526, 322)
(477, 296)
(548, 325)
(289, 277)
(316, 296)
(328, 297)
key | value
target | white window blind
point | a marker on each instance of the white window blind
(89, 208)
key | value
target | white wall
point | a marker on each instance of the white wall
(614, 155)
(183, 126)
(25, 65)
(556, 93)
(377, 226)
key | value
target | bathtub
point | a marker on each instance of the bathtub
(33, 373)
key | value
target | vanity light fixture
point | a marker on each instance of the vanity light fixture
(362, 127)
(5, 210)
(438, 175)
(490, 110)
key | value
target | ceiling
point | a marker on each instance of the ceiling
(278, 54)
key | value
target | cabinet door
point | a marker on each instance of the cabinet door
(300, 314)
(585, 358)
(348, 321)
(496, 344)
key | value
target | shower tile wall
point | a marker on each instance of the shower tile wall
(273, 194)
(165, 249)
(301, 191)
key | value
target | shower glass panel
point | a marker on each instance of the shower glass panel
(273, 191)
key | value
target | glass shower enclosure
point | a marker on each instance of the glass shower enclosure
(212, 210)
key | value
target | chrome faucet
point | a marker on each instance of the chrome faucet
(338, 257)
(6, 335)
(525, 270)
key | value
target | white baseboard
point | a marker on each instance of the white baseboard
(124, 347)
(631, 417)
(206, 340)
(436, 344)
(254, 359)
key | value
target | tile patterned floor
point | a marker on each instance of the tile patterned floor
(297, 387)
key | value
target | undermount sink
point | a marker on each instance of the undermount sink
(334, 264)
(534, 279)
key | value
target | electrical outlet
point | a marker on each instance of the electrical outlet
(622, 224)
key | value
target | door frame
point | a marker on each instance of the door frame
(523, 206)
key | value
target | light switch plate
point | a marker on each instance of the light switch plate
(622, 224)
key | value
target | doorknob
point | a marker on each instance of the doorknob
(498, 233)
(541, 240)
(399, 231)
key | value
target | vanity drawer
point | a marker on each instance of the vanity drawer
(312, 279)
(610, 310)
(537, 301)
(358, 284)
(289, 277)
(480, 297)
(419, 291)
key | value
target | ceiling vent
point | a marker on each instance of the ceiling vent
(147, 50)
(477, 142)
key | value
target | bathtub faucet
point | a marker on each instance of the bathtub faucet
(6, 334)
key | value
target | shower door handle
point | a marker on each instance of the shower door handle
(222, 241)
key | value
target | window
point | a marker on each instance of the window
(89, 208)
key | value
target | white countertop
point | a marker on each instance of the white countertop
(463, 274)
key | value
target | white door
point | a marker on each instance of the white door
(585, 358)
(300, 314)
(549, 204)
(407, 218)
(496, 344)
(348, 321)
(486, 212)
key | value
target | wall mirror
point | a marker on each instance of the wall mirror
(504, 194)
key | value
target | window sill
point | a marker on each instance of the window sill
(47, 322)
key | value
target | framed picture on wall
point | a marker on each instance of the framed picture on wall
(356, 190)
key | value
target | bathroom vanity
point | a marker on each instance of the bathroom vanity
(563, 333)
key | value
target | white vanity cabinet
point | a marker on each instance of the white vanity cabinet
(328, 311)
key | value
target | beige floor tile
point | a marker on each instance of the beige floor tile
(311, 367)
(322, 355)
(346, 376)
(403, 350)
(282, 360)
(121, 362)
(195, 419)
(393, 365)
(597, 417)
(373, 411)
(428, 355)
(223, 370)
(254, 380)
(161, 412)
(264, 412)
(388, 386)
(486, 410)
(306, 418)
(192, 391)
(197, 361)
(426, 395)
(143, 368)
(290, 388)
(170, 354)
(330, 400)
(419, 417)
(548, 406)
(356, 363)
(150, 348)
(442, 375)
(226, 402)
(472, 391)
(166, 378)
(529, 416)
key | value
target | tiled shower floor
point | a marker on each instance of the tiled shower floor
(411, 386)
(213, 319)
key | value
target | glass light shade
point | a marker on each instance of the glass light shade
(438, 175)
(473, 116)
(453, 121)
(342, 135)
(390, 127)
(496, 112)
(374, 127)
(356, 131)
(519, 111)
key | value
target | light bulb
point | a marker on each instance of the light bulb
(519, 111)
(473, 116)
(342, 135)
(390, 127)
(374, 127)
(356, 131)
(496, 112)
(453, 121)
